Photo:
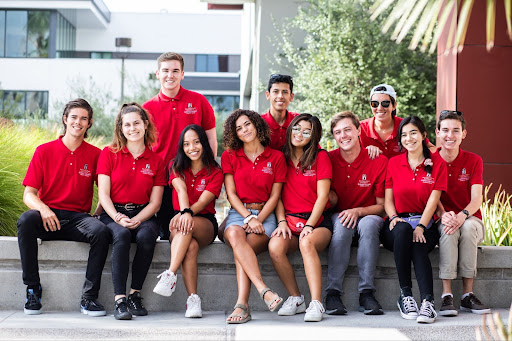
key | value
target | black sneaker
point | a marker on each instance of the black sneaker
(91, 307)
(121, 310)
(472, 304)
(407, 305)
(333, 304)
(447, 307)
(135, 304)
(368, 304)
(33, 302)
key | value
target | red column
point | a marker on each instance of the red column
(479, 83)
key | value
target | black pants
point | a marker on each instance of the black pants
(165, 213)
(145, 236)
(399, 240)
(75, 226)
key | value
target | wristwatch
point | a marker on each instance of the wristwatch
(466, 213)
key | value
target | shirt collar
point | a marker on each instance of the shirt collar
(65, 150)
(178, 96)
(274, 125)
(265, 154)
(356, 163)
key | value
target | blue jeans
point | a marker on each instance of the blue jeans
(145, 236)
(366, 233)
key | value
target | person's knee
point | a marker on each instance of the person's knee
(193, 249)
(28, 221)
(469, 229)
(234, 235)
(370, 226)
(121, 236)
(276, 249)
(306, 245)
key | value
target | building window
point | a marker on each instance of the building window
(211, 63)
(101, 55)
(66, 37)
(24, 34)
(20, 104)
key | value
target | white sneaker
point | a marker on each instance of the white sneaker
(194, 306)
(293, 305)
(167, 283)
(427, 312)
(315, 312)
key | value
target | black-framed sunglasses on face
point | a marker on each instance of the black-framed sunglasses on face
(384, 104)
(456, 112)
(305, 133)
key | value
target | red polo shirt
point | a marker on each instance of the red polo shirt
(172, 115)
(277, 132)
(411, 189)
(196, 185)
(370, 137)
(253, 181)
(465, 171)
(300, 190)
(359, 183)
(64, 178)
(131, 180)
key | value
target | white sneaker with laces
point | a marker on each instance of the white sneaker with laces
(194, 306)
(293, 305)
(167, 283)
(427, 312)
(315, 312)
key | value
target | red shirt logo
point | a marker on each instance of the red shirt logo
(429, 180)
(202, 186)
(147, 170)
(309, 172)
(190, 109)
(268, 169)
(464, 176)
(84, 171)
(363, 182)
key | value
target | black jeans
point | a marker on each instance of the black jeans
(145, 236)
(165, 214)
(75, 226)
(399, 240)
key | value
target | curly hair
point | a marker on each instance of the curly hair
(119, 141)
(230, 139)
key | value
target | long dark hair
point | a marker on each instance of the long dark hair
(418, 123)
(182, 162)
(311, 149)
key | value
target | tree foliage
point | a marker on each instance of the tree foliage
(344, 54)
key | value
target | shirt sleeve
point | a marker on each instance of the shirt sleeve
(215, 184)
(442, 177)
(389, 175)
(323, 166)
(34, 176)
(172, 176)
(225, 161)
(208, 115)
(105, 162)
(477, 175)
(380, 180)
(280, 168)
(160, 177)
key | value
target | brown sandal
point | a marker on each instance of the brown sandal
(277, 300)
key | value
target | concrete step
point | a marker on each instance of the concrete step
(63, 263)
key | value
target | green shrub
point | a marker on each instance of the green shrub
(497, 217)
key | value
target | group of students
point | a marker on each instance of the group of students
(159, 176)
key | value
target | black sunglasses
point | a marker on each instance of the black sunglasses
(375, 104)
(456, 112)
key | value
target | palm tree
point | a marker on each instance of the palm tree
(430, 18)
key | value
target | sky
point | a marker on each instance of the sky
(180, 6)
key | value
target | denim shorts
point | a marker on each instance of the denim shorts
(234, 218)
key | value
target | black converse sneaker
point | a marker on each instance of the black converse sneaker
(91, 307)
(33, 302)
(407, 305)
(427, 311)
(135, 305)
(121, 310)
(333, 304)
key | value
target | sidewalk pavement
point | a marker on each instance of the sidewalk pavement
(15, 325)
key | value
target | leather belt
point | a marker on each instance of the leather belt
(130, 206)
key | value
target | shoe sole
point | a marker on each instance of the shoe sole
(31, 311)
(127, 316)
(247, 319)
(93, 313)
(199, 315)
(336, 312)
(424, 319)
(165, 294)
(313, 318)
(300, 309)
(476, 311)
(448, 312)
(136, 313)
(405, 316)
(371, 311)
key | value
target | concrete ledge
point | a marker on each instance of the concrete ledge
(62, 268)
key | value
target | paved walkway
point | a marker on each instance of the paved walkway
(15, 325)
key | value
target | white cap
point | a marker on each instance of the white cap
(389, 91)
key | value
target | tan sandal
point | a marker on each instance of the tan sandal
(277, 300)
(245, 314)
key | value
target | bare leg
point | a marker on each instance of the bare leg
(467, 285)
(309, 247)
(279, 248)
(447, 286)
